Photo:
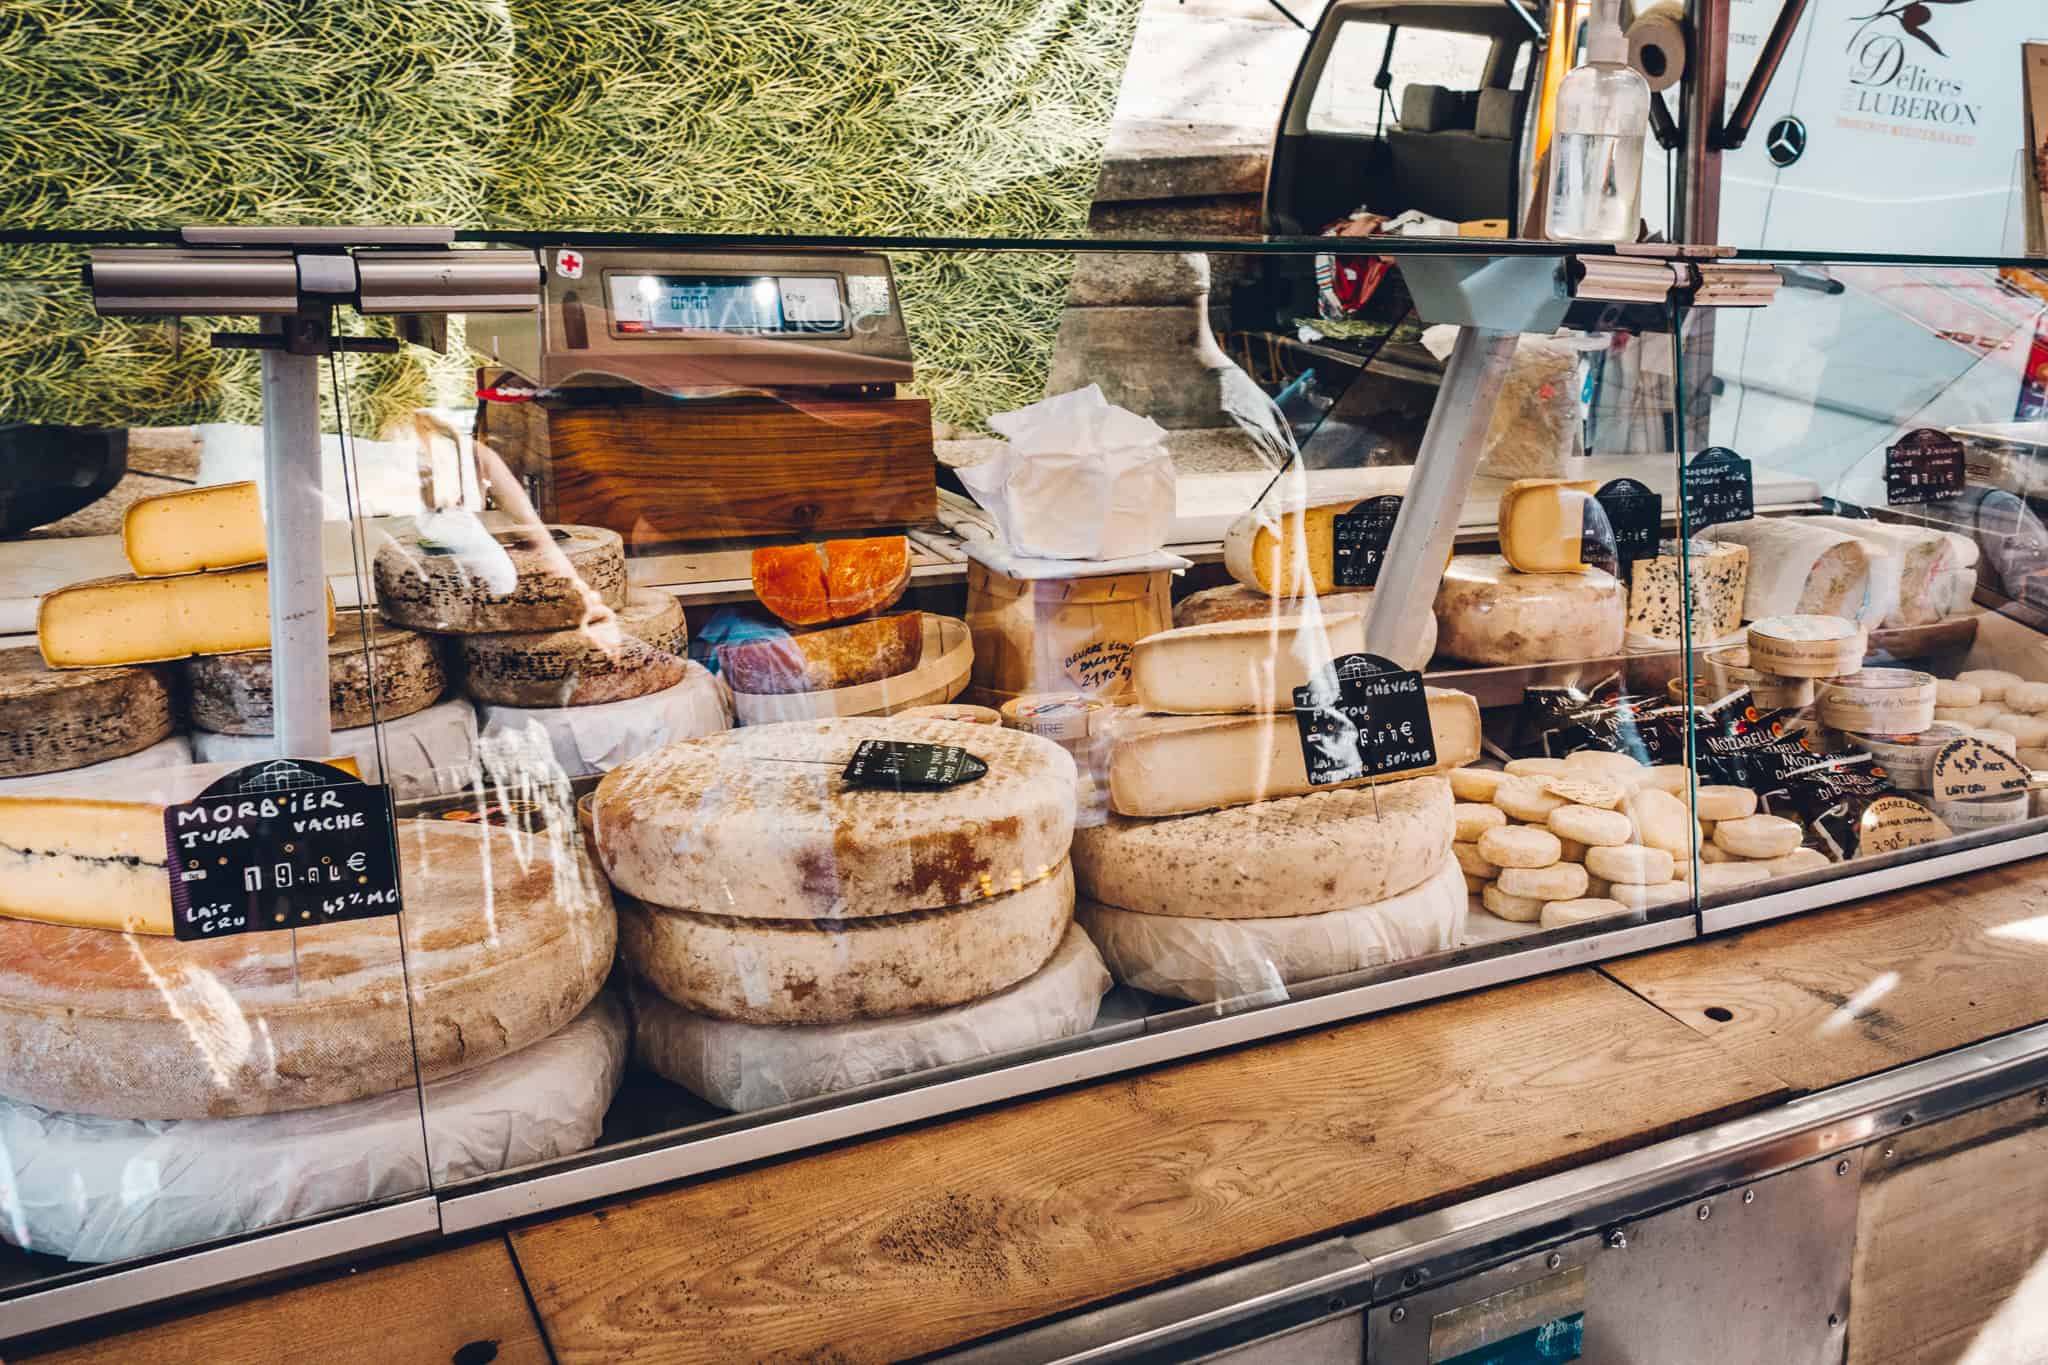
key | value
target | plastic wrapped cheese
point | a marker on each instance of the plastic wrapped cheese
(428, 753)
(95, 1189)
(174, 752)
(589, 740)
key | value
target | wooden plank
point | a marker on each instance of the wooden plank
(435, 1307)
(924, 1239)
(1822, 998)
(1949, 1246)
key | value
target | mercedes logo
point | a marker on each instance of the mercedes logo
(1787, 141)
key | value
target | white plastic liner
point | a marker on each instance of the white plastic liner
(590, 740)
(173, 751)
(431, 752)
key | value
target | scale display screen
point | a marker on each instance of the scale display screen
(732, 305)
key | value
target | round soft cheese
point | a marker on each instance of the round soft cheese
(630, 653)
(1487, 613)
(552, 578)
(1808, 647)
(1329, 850)
(1889, 701)
(508, 935)
(230, 693)
(1206, 960)
(801, 971)
(53, 719)
(761, 823)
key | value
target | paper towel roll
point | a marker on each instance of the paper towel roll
(1656, 44)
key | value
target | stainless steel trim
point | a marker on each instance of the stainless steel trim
(217, 1268)
(1833, 891)
(544, 1191)
(308, 235)
(1249, 1297)
(448, 281)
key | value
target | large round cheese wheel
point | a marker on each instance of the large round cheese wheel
(428, 753)
(98, 1189)
(517, 580)
(1207, 959)
(508, 934)
(761, 823)
(52, 719)
(230, 693)
(629, 654)
(1236, 602)
(1297, 856)
(1488, 613)
(805, 971)
(589, 740)
(173, 752)
(755, 1066)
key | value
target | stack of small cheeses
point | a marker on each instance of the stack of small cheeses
(1538, 600)
(1222, 870)
(790, 930)
(1561, 841)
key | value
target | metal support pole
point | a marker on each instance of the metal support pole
(293, 507)
(1444, 466)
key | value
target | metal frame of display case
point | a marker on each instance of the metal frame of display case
(1109, 1050)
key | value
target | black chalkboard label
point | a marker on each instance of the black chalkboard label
(1636, 516)
(1360, 539)
(904, 765)
(1363, 716)
(284, 844)
(1719, 487)
(1923, 466)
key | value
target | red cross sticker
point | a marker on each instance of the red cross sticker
(569, 264)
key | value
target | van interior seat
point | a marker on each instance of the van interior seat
(1453, 152)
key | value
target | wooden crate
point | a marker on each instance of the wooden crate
(1061, 634)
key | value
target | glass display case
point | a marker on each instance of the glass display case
(742, 733)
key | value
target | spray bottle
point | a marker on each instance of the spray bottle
(1596, 148)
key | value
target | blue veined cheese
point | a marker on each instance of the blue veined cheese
(1718, 575)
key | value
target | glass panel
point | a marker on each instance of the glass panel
(1894, 417)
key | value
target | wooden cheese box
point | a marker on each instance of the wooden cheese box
(1061, 634)
(670, 470)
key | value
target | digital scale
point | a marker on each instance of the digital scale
(689, 396)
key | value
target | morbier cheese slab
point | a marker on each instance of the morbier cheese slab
(219, 527)
(150, 620)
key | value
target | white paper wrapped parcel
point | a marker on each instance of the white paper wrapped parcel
(1079, 478)
(97, 1189)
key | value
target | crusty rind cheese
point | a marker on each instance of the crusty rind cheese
(217, 527)
(1236, 602)
(53, 719)
(803, 971)
(1301, 855)
(565, 576)
(627, 653)
(1285, 553)
(508, 935)
(1543, 524)
(128, 620)
(1176, 765)
(759, 822)
(1236, 666)
(1208, 959)
(1488, 613)
(230, 694)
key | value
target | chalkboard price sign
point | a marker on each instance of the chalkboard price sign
(1719, 486)
(1923, 466)
(1363, 716)
(285, 844)
(1360, 539)
(1636, 516)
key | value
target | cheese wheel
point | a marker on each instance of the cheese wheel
(1727, 876)
(1475, 784)
(2005, 741)
(1236, 602)
(1759, 836)
(1591, 825)
(1962, 817)
(954, 710)
(1711, 852)
(1991, 683)
(1570, 850)
(1950, 692)
(1796, 568)
(552, 578)
(1797, 861)
(1717, 801)
(1630, 863)
(52, 719)
(1535, 767)
(1605, 766)
(1208, 960)
(1286, 549)
(1519, 846)
(760, 823)
(1909, 759)
(1236, 666)
(1472, 863)
(1916, 559)
(2027, 731)
(1543, 524)
(230, 693)
(627, 653)
(802, 971)
(428, 753)
(824, 660)
(173, 751)
(756, 1066)
(1661, 820)
(1518, 909)
(1559, 882)
(1525, 800)
(1891, 701)
(1473, 819)
(1729, 668)
(1562, 914)
(1807, 646)
(1487, 613)
(1674, 778)
(1329, 850)
(1584, 791)
(1637, 896)
(507, 936)
(2026, 698)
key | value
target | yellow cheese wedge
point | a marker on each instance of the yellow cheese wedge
(220, 527)
(148, 620)
(1542, 522)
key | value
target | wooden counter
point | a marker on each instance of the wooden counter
(933, 1236)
